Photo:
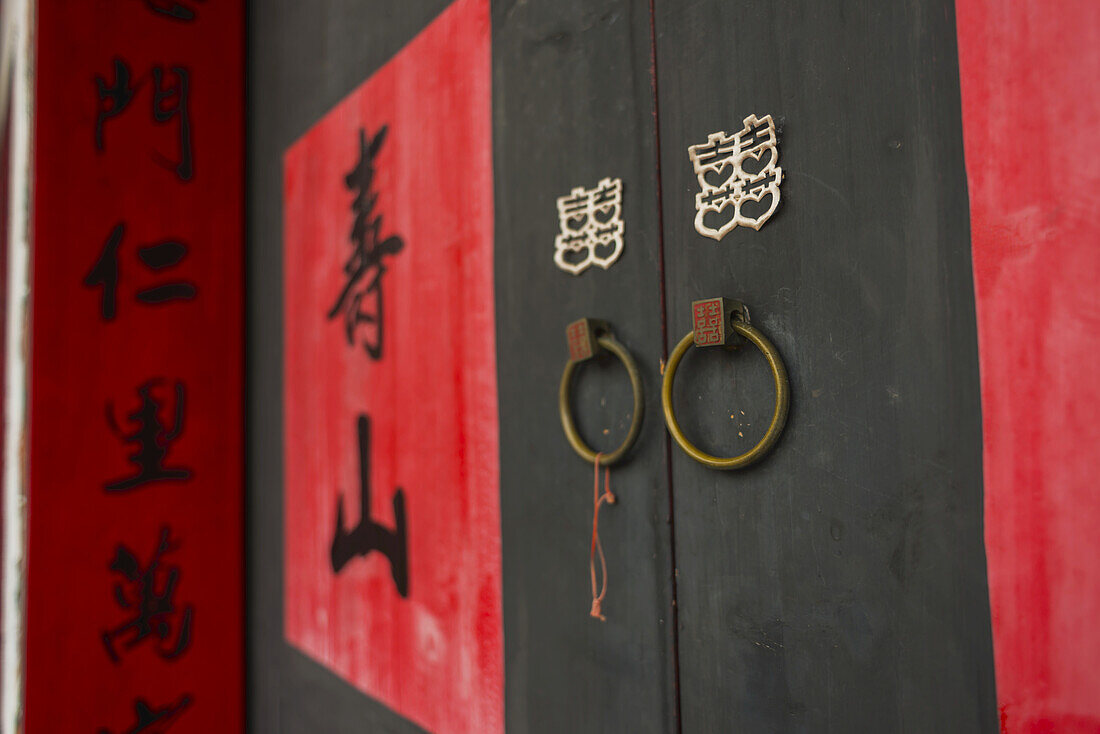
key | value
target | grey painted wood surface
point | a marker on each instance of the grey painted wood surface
(573, 103)
(840, 585)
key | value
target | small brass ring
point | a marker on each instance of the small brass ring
(782, 401)
(609, 343)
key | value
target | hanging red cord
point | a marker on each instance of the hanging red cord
(597, 547)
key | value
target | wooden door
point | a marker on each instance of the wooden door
(837, 586)
(572, 102)
(840, 584)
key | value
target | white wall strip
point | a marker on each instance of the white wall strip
(18, 52)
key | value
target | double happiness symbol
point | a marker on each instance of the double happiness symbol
(591, 227)
(738, 176)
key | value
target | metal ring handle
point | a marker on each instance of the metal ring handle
(607, 342)
(782, 401)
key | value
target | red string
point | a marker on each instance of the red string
(597, 547)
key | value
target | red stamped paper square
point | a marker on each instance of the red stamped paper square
(392, 519)
(708, 322)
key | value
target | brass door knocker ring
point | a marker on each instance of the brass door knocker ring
(586, 338)
(716, 321)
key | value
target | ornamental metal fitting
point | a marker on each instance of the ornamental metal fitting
(713, 319)
(712, 322)
(739, 177)
(591, 227)
(583, 337)
(588, 338)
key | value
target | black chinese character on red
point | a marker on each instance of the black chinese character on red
(174, 10)
(151, 720)
(154, 256)
(146, 595)
(369, 535)
(174, 101)
(171, 101)
(361, 299)
(151, 437)
(113, 98)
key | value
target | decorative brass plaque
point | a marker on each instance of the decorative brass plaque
(739, 178)
(591, 227)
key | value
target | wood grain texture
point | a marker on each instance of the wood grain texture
(840, 585)
(573, 103)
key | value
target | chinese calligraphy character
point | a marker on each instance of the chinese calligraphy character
(368, 535)
(170, 100)
(143, 594)
(738, 178)
(361, 299)
(104, 274)
(180, 107)
(116, 96)
(173, 10)
(160, 719)
(156, 256)
(151, 439)
(591, 227)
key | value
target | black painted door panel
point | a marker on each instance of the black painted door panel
(839, 585)
(573, 103)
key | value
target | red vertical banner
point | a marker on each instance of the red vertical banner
(392, 548)
(134, 593)
(1031, 112)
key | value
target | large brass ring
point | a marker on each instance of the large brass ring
(782, 401)
(607, 342)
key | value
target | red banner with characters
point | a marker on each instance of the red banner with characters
(134, 614)
(392, 545)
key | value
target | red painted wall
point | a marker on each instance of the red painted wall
(93, 539)
(428, 646)
(1031, 121)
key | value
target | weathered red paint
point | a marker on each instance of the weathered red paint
(80, 363)
(436, 655)
(1031, 121)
